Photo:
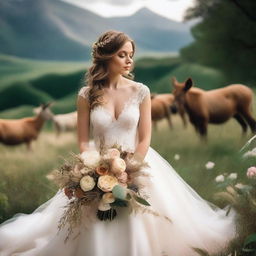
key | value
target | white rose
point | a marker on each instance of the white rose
(220, 178)
(118, 165)
(112, 153)
(90, 158)
(103, 206)
(209, 165)
(107, 182)
(108, 198)
(87, 183)
(232, 176)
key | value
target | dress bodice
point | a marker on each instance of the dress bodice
(122, 130)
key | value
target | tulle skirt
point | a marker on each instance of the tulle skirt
(192, 223)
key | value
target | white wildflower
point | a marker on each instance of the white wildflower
(176, 157)
(251, 172)
(250, 153)
(209, 165)
(240, 186)
(232, 176)
(220, 178)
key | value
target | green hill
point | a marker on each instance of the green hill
(203, 77)
(59, 85)
(14, 69)
(59, 82)
(22, 94)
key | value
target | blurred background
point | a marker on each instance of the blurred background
(45, 50)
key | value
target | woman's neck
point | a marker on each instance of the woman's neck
(115, 81)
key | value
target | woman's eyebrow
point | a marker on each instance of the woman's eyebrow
(123, 51)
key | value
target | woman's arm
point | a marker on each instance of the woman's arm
(83, 123)
(144, 128)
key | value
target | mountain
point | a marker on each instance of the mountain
(153, 32)
(28, 30)
(56, 30)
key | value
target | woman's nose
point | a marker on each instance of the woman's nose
(129, 60)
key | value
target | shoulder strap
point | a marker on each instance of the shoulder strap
(143, 92)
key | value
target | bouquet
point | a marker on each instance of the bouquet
(100, 182)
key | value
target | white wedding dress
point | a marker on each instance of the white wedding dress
(195, 222)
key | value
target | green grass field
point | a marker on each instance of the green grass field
(23, 174)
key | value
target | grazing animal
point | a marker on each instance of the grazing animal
(162, 107)
(63, 122)
(214, 106)
(24, 130)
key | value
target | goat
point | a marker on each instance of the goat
(24, 130)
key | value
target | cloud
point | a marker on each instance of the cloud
(173, 9)
(110, 2)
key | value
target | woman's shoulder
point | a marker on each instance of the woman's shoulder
(84, 91)
(140, 89)
(137, 86)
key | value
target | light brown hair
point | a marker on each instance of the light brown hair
(103, 50)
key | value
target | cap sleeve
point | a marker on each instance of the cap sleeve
(143, 92)
(84, 92)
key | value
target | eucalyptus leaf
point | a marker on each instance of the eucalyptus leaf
(201, 252)
(119, 192)
(141, 200)
(128, 196)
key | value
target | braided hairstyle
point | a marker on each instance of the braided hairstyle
(103, 50)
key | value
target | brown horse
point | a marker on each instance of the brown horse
(214, 106)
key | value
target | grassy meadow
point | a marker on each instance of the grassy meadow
(25, 84)
(24, 186)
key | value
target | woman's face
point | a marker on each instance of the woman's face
(121, 62)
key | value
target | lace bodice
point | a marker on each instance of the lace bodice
(121, 131)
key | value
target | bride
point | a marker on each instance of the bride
(117, 110)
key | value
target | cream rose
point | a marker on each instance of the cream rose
(102, 169)
(107, 182)
(103, 206)
(112, 153)
(87, 183)
(118, 165)
(90, 158)
(108, 198)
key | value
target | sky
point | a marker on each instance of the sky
(172, 9)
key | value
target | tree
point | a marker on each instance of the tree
(225, 38)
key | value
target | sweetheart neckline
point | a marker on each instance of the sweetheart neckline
(126, 104)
